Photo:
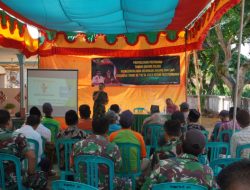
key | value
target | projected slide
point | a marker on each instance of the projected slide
(58, 87)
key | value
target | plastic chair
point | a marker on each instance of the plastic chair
(53, 129)
(218, 164)
(215, 149)
(206, 134)
(177, 186)
(88, 132)
(10, 158)
(223, 133)
(241, 148)
(70, 185)
(33, 143)
(155, 131)
(67, 145)
(138, 110)
(128, 152)
(92, 162)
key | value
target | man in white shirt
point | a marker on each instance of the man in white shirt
(41, 129)
(28, 130)
(243, 136)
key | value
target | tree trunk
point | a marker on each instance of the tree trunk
(198, 87)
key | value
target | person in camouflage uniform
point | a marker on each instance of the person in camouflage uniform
(98, 144)
(100, 100)
(16, 144)
(186, 167)
(169, 149)
(72, 132)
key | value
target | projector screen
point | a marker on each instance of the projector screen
(58, 87)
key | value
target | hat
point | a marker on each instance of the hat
(224, 113)
(194, 142)
(193, 115)
(47, 108)
(184, 106)
(126, 119)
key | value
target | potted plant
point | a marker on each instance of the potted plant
(9, 107)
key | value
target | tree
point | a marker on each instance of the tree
(220, 56)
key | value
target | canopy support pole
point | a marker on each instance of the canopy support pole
(20, 58)
(238, 63)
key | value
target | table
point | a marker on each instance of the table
(138, 121)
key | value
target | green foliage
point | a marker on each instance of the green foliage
(212, 57)
(9, 106)
(246, 91)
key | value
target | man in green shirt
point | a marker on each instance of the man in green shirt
(49, 122)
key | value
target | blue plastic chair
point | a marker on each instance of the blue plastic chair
(240, 148)
(53, 129)
(33, 143)
(139, 110)
(216, 149)
(218, 164)
(206, 134)
(92, 162)
(10, 158)
(223, 133)
(70, 185)
(88, 132)
(177, 186)
(155, 131)
(128, 152)
(67, 145)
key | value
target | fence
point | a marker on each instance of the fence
(217, 103)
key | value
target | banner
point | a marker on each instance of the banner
(136, 71)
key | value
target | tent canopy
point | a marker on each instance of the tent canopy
(107, 17)
(109, 28)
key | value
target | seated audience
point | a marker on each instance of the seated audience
(243, 136)
(184, 108)
(16, 144)
(172, 142)
(229, 125)
(235, 176)
(185, 168)
(98, 144)
(41, 129)
(224, 117)
(72, 132)
(126, 135)
(156, 117)
(49, 122)
(170, 106)
(29, 131)
(116, 109)
(85, 122)
(112, 118)
(178, 116)
(193, 119)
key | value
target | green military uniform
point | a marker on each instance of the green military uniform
(72, 132)
(100, 146)
(185, 168)
(168, 150)
(99, 104)
(16, 144)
